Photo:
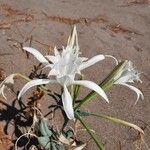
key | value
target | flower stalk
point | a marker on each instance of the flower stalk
(93, 136)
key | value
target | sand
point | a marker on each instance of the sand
(120, 28)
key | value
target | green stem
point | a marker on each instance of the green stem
(24, 77)
(93, 136)
(76, 92)
(72, 91)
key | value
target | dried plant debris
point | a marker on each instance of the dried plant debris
(15, 43)
(72, 21)
(5, 140)
(26, 40)
(9, 11)
(8, 24)
(14, 16)
(27, 16)
(48, 47)
(132, 2)
(36, 97)
(135, 2)
(97, 19)
(117, 28)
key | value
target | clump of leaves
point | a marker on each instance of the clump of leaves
(49, 138)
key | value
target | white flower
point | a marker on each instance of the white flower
(64, 66)
(8, 82)
(129, 75)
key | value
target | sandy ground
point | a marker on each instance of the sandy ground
(116, 27)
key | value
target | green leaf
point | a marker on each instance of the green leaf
(93, 136)
(60, 147)
(77, 89)
(69, 133)
(53, 146)
(45, 131)
(119, 121)
(44, 141)
(113, 119)
(82, 113)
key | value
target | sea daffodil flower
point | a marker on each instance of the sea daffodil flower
(129, 75)
(64, 66)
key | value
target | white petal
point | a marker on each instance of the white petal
(76, 41)
(136, 90)
(56, 52)
(48, 66)
(7, 83)
(83, 58)
(9, 79)
(67, 103)
(91, 61)
(113, 58)
(36, 54)
(53, 59)
(124, 79)
(72, 37)
(2, 88)
(93, 86)
(53, 72)
(34, 83)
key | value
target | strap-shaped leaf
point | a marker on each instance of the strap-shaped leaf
(69, 133)
(82, 113)
(45, 131)
(44, 141)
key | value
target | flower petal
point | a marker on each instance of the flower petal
(2, 88)
(53, 59)
(34, 83)
(136, 90)
(36, 54)
(91, 61)
(124, 79)
(53, 72)
(113, 58)
(48, 66)
(73, 39)
(56, 52)
(67, 103)
(93, 86)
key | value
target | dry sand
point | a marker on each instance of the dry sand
(116, 27)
